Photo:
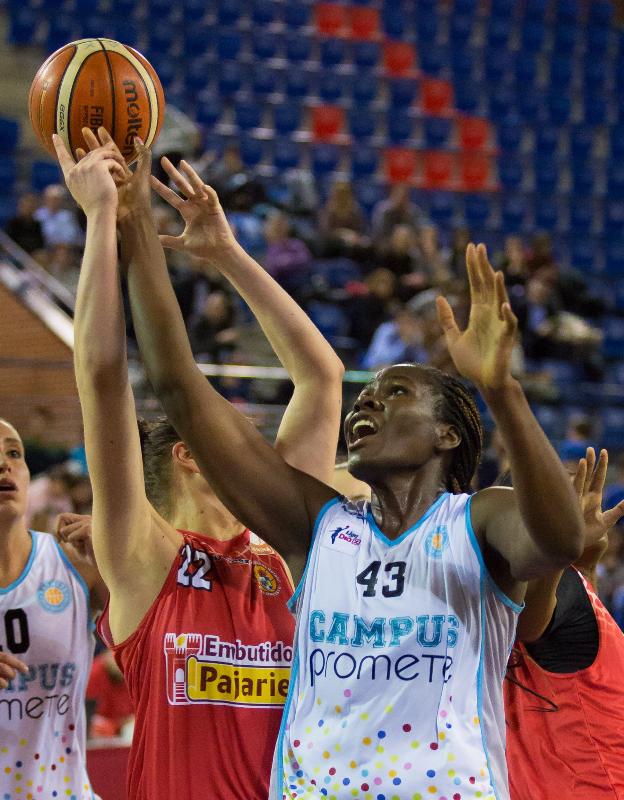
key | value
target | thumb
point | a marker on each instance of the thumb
(171, 242)
(447, 321)
(144, 163)
(614, 514)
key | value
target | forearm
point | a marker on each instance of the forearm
(299, 346)
(100, 338)
(158, 322)
(545, 496)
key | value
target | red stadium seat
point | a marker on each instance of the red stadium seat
(327, 122)
(364, 22)
(438, 170)
(474, 171)
(330, 18)
(436, 95)
(474, 133)
(400, 164)
(399, 58)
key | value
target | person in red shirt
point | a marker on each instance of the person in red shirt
(564, 695)
(112, 705)
(197, 617)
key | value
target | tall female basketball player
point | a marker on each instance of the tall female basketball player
(47, 594)
(407, 607)
(197, 612)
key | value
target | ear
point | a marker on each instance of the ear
(182, 456)
(447, 437)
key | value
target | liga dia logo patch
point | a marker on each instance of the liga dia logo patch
(437, 542)
(266, 578)
(54, 596)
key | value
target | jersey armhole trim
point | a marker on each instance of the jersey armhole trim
(34, 537)
(81, 581)
(295, 596)
(499, 593)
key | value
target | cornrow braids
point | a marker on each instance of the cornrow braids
(157, 438)
(456, 406)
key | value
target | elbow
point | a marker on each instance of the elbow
(100, 373)
(571, 546)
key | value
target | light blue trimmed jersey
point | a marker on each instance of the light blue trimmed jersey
(401, 648)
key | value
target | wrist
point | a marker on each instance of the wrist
(101, 212)
(507, 391)
(224, 257)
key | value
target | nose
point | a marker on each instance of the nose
(368, 402)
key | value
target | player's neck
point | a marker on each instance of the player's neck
(15, 548)
(206, 515)
(400, 499)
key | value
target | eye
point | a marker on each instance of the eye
(15, 453)
(397, 390)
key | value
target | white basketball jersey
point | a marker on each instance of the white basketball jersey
(401, 648)
(45, 622)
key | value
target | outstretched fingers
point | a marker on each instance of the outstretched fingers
(447, 320)
(580, 476)
(614, 515)
(207, 193)
(486, 273)
(167, 194)
(176, 176)
(600, 474)
(63, 154)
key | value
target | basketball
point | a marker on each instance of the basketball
(95, 82)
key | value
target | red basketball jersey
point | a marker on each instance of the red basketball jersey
(207, 670)
(576, 752)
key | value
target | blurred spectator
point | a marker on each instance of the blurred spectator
(212, 332)
(24, 229)
(61, 233)
(287, 259)
(341, 221)
(614, 492)
(401, 254)
(49, 495)
(371, 304)
(541, 256)
(237, 186)
(107, 688)
(179, 137)
(397, 341)
(397, 209)
(513, 263)
(41, 451)
(457, 257)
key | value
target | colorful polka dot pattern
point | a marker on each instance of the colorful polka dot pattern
(25, 775)
(388, 762)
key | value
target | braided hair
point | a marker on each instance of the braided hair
(455, 405)
(157, 439)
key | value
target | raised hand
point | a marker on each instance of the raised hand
(134, 194)
(74, 531)
(9, 667)
(482, 352)
(207, 233)
(91, 180)
(589, 481)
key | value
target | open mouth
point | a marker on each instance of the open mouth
(361, 429)
(7, 486)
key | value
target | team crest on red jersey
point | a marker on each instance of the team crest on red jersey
(266, 578)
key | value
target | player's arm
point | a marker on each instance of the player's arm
(541, 595)
(74, 534)
(250, 477)
(308, 434)
(121, 513)
(537, 526)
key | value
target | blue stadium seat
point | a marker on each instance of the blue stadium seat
(44, 173)
(498, 63)
(362, 125)
(208, 109)
(199, 38)
(613, 217)
(600, 13)
(433, 58)
(298, 83)
(8, 208)
(513, 213)
(365, 89)
(467, 96)
(533, 34)
(501, 99)
(581, 215)
(265, 44)
(248, 116)
(510, 172)
(264, 81)
(23, 26)
(529, 102)
(583, 177)
(596, 109)
(560, 75)
(566, 37)
(462, 26)
(263, 12)
(161, 37)
(546, 174)
(535, 9)
(286, 118)
(559, 107)
(9, 135)
(547, 212)
(62, 29)
(615, 180)
(550, 420)
(402, 92)
(437, 132)
(296, 14)
(286, 154)
(197, 74)
(393, 17)
(525, 69)
(613, 428)
(229, 12)
(229, 44)
(332, 52)
(463, 61)
(364, 162)
(498, 31)
(366, 54)
(594, 76)
(230, 78)
(336, 272)
(442, 207)
(568, 11)
(597, 40)
(616, 140)
(502, 8)
(193, 12)
(581, 142)
(477, 210)
(510, 132)
(298, 47)
(546, 140)
(613, 343)
(582, 254)
(251, 151)
(614, 258)
(325, 159)
(160, 10)
(331, 87)
(400, 127)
